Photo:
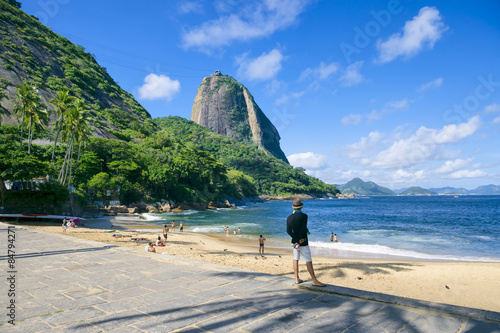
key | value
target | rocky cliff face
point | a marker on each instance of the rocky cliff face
(226, 107)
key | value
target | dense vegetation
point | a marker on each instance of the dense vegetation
(66, 99)
(30, 50)
(271, 175)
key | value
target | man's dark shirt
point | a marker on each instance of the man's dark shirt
(296, 227)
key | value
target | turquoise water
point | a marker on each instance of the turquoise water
(465, 228)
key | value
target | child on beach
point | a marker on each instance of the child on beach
(181, 226)
(64, 225)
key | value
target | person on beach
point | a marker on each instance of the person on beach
(227, 231)
(261, 244)
(335, 238)
(173, 226)
(296, 227)
(181, 226)
(150, 248)
(239, 230)
(234, 233)
(165, 232)
(64, 225)
(331, 237)
(159, 242)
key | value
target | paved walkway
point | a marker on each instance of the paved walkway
(66, 284)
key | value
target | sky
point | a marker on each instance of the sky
(402, 93)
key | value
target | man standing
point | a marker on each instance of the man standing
(261, 244)
(165, 232)
(296, 227)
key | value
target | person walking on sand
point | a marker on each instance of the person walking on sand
(296, 227)
(165, 232)
(181, 226)
(261, 244)
(64, 225)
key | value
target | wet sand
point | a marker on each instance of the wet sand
(470, 284)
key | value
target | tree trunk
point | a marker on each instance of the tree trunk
(22, 126)
(57, 138)
(29, 135)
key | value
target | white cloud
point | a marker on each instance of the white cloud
(352, 119)
(452, 166)
(432, 84)
(264, 67)
(352, 76)
(159, 87)
(285, 98)
(309, 160)
(424, 145)
(187, 7)
(404, 176)
(424, 30)
(322, 72)
(250, 20)
(401, 104)
(365, 145)
(468, 174)
(492, 108)
(496, 120)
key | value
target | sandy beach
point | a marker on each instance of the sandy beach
(470, 284)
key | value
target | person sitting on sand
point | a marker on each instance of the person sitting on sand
(159, 242)
(150, 248)
(261, 244)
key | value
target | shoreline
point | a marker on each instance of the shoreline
(469, 284)
(323, 249)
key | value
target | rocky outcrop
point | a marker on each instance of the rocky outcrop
(226, 107)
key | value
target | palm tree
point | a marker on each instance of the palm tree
(84, 129)
(24, 96)
(75, 130)
(62, 103)
(38, 118)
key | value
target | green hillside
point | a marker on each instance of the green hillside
(416, 190)
(360, 187)
(98, 142)
(29, 51)
(271, 175)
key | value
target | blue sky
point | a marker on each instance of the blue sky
(403, 93)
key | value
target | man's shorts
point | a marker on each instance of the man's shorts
(304, 252)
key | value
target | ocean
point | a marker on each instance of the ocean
(448, 228)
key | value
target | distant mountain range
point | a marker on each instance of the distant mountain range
(360, 187)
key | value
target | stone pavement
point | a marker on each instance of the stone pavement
(66, 284)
